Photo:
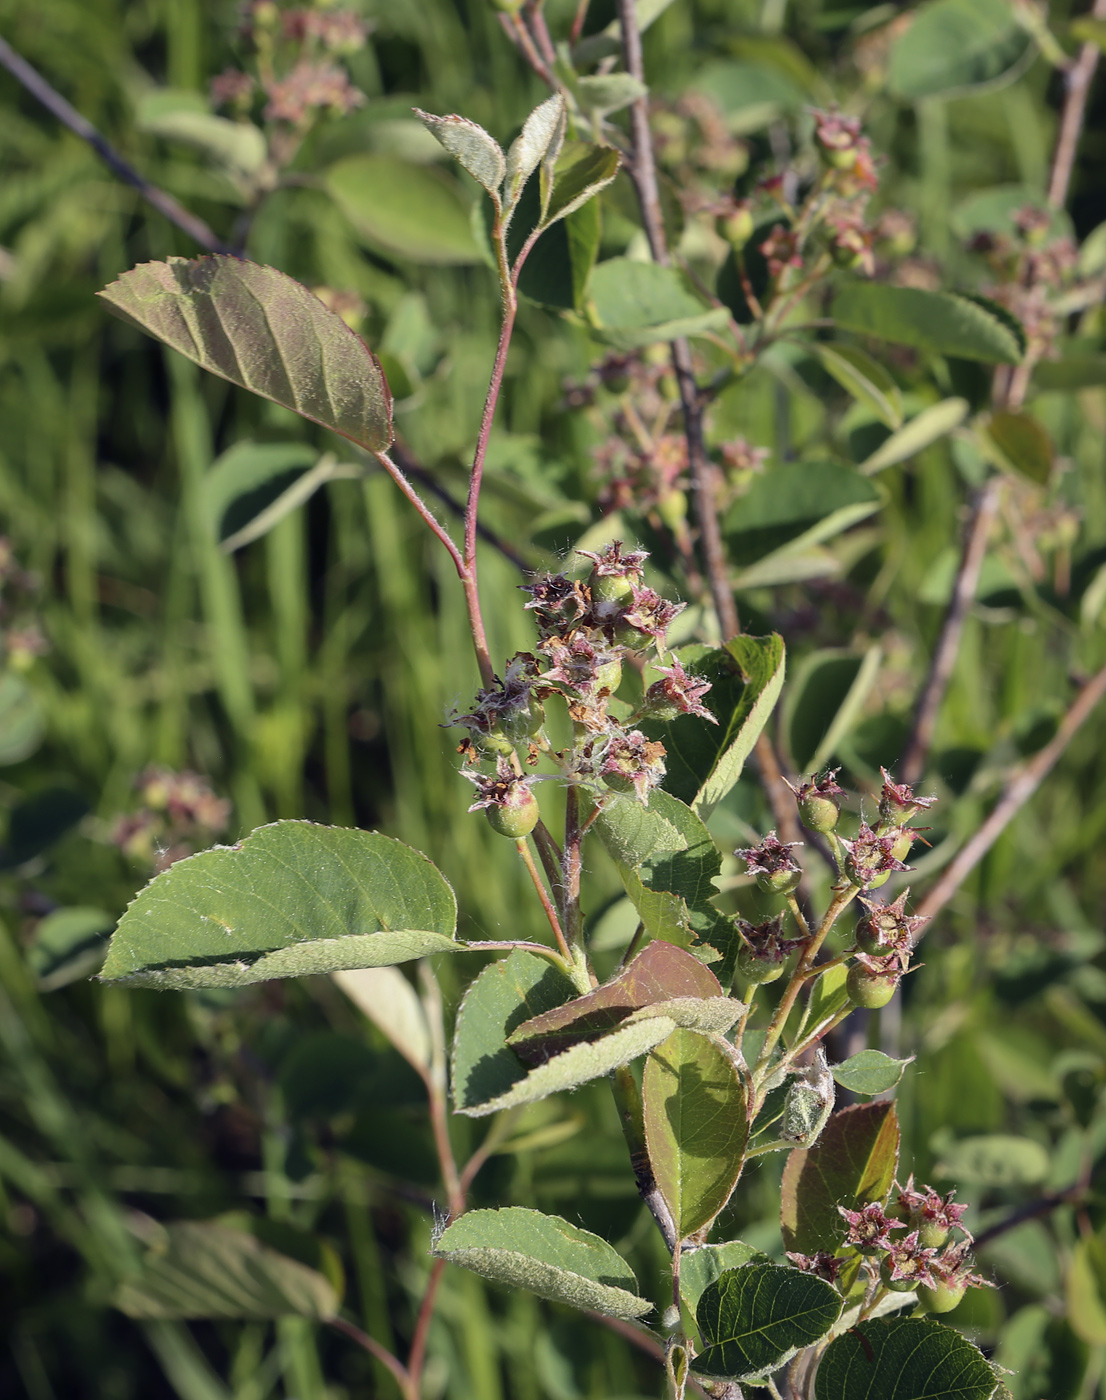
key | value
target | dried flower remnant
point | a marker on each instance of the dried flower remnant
(180, 814)
(633, 763)
(821, 1265)
(869, 1228)
(888, 928)
(933, 1215)
(677, 694)
(908, 1265)
(309, 88)
(871, 856)
(815, 798)
(898, 802)
(776, 869)
(234, 89)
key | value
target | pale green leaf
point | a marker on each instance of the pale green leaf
(208, 1270)
(763, 662)
(696, 1126)
(293, 898)
(995, 1159)
(609, 92)
(866, 379)
(21, 721)
(956, 45)
(926, 428)
(546, 1255)
(254, 485)
(633, 304)
(471, 146)
(69, 945)
(1022, 444)
(240, 146)
(700, 1266)
(265, 332)
(581, 172)
(870, 1072)
(392, 1004)
(793, 507)
(825, 702)
(413, 212)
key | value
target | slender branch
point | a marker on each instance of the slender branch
(1019, 789)
(543, 895)
(417, 1359)
(551, 858)
(578, 22)
(642, 170)
(947, 649)
(382, 1354)
(1032, 1210)
(536, 16)
(521, 37)
(69, 117)
(435, 1079)
(438, 529)
(1077, 82)
(571, 865)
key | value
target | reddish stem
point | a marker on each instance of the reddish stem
(382, 1354)
(422, 1327)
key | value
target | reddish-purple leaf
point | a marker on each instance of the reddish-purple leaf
(266, 332)
(660, 973)
(852, 1163)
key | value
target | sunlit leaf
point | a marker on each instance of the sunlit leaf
(870, 1072)
(943, 323)
(852, 1163)
(905, 1357)
(470, 145)
(757, 1317)
(263, 331)
(412, 212)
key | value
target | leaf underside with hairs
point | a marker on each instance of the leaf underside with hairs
(267, 333)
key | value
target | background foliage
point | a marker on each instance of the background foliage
(310, 674)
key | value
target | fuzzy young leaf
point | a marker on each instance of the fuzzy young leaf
(659, 973)
(581, 171)
(755, 1318)
(203, 1269)
(265, 332)
(590, 1060)
(702, 1266)
(696, 1126)
(546, 1255)
(928, 427)
(866, 379)
(852, 1164)
(909, 1358)
(609, 92)
(539, 142)
(293, 898)
(943, 323)
(506, 994)
(870, 1072)
(471, 146)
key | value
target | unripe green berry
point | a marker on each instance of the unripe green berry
(866, 990)
(610, 588)
(896, 1285)
(609, 675)
(932, 1236)
(515, 818)
(779, 881)
(819, 813)
(943, 1298)
(901, 849)
(672, 509)
(633, 638)
(868, 939)
(737, 228)
(758, 970)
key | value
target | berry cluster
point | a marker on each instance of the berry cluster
(180, 813)
(587, 629)
(925, 1258)
(885, 934)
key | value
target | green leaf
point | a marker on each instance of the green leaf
(659, 973)
(392, 1004)
(851, 1164)
(756, 1318)
(995, 1159)
(762, 662)
(21, 721)
(293, 898)
(1086, 1290)
(582, 170)
(412, 212)
(265, 332)
(903, 1358)
(539, 143)
(1070, 373)
(506, 994)
(824, 703)
(926, 428)
(207, 1270)
(69, 945)
(943, 323)
(696, 1126)
(1023, 444)
(609, 92)
(558, 267)
(793, 506)
(953, 45)
(866, 379)
(253, 485)
(828, 997)
(471, 146)
(546, 1255)
(183, 117)
(38, 820)
(666, 857)
(633, 304)
(870, 1072)
(706, 1263)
